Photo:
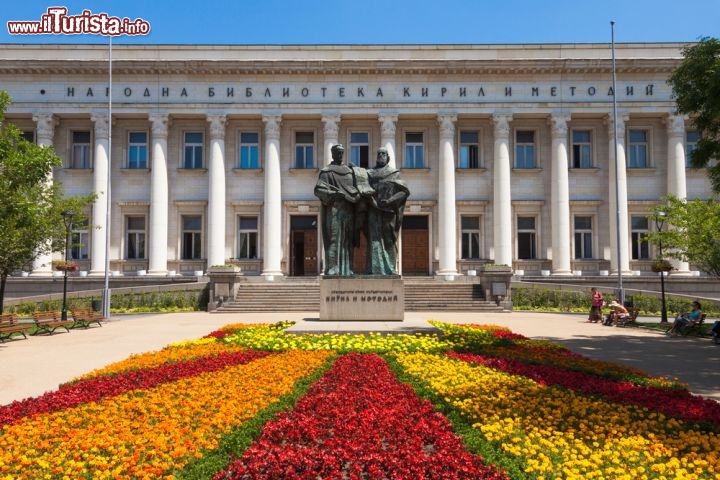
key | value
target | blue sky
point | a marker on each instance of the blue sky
(387, 21)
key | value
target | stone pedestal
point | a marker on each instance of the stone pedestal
(363, 297)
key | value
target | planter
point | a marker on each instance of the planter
(66, 267)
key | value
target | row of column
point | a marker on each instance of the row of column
(447, 242)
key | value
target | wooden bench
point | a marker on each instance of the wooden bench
(9, 326)
(48, 322)
(84, 317)
(694, 326)
(630, 320)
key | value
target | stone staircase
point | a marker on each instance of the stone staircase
(303, 295)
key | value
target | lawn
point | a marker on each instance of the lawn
(252, 402)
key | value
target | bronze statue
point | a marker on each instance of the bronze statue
(337, 190)
(385, 215)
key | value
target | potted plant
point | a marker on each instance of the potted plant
(661, 265)
(65, 266)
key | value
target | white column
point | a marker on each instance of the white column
(387, 135)
(618, 204)
(45, 130)
(101, 166)
(560, 196)
(502, 206)
(676, 181)
(216, 191)
(158, 233)
(447, 235)
(330, 134)
(272, 213)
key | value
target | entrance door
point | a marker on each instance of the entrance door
(415, 246)
(303, 246)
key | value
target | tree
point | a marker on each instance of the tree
(690, 232)
(696, 87)
(31, 207)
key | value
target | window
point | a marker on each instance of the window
(135, 228)
(581, 149)
(638, 150)
(80, 241)
(29, 136)
(360, 149)
(524, 149)
(583, 237)
(137, 150)
(414, 151)
(304, 150)
(639, 229)
(470, 229)
(247, 237)
(691, 140)
(249, 148)
(193, 150)
(191, 237)
(469, 149)
(80, 150)
(526, 238)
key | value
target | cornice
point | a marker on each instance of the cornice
(324, 68)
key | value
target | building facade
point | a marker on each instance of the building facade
(209, 154)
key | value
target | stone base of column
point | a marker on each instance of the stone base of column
(561, 273)
(41, 273)
(157, 273)
(271, 275)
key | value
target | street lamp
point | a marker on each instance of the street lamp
(67, 220)
(659, 222)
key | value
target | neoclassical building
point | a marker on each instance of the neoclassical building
(209, 154)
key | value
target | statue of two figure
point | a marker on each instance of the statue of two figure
(356, 200)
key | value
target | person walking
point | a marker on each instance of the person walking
(596, 304)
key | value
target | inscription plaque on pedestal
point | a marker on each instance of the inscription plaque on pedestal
(369, 297)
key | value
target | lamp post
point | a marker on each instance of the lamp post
(67, 220)
(659, 222)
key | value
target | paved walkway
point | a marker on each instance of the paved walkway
(39, 364)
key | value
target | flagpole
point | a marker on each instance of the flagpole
(621, 293)
(106, 289)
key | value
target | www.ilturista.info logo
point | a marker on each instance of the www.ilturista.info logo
(57, 22)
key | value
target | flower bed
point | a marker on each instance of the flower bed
(196, 408)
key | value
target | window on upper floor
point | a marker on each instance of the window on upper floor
(691, 140)
(135, 237)
(191, 237)
(29, 135)
(80, 150)
(414, 150)
(137, 150)
(360, 149)
(470, 231)
(247, 247)
(582, 149)
(249, 157)
(583, 237)
(526, 238)
(525, 149)
(469, 149)
(193, 146)
(638, 149)
(80, 241)
(639, 227)
(304, 150)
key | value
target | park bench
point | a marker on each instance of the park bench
(696, 326)
(630, 320)
(84, 317)
(9, 326)
(49, 321)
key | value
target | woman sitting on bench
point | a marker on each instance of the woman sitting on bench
(617, 312)
(685, 319)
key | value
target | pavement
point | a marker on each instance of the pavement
(42, 363)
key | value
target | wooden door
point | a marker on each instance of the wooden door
(415, 246)
(310, 263)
